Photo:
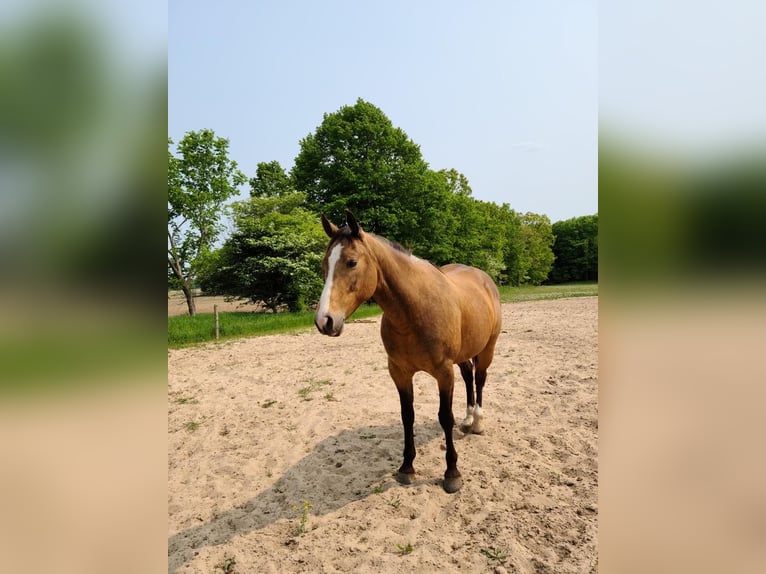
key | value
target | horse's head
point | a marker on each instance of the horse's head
(350, 275)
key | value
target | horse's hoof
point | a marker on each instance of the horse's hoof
(465, 428)
(405, 478)
(452, 484)
(477, 431)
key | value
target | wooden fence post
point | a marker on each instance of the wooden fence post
(215, 312)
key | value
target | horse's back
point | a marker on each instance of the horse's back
(473, 281)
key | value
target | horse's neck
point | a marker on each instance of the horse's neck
(400, 279)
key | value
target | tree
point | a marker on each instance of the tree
(200, 180)
(274, 255)
(270, 180)
(576, 249)
(467, 230)
(536, 253)
(456, 182)
(357, 159)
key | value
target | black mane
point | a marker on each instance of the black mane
(345, 231)
(393, 244)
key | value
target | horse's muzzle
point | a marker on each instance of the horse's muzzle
(329, 326)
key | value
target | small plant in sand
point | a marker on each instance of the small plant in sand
(395, 502)
(226, 565)
(378, 489)
(191, 426)
(267, 404)
(496, 554)
(301, 528)
(404, 549)
(305, 392)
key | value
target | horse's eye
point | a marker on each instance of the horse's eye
(351, 263)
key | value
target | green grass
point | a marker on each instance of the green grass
(226, 565)
(185, 330)
(191, 426)
(404, 549)
(509, 294)
(496, 554)
(300, 530)
(305, 392)
(186, 401)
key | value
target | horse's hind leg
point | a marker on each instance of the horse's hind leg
(482, 362)
(466, 370)
(481, 377)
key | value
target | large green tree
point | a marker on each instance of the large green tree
(470, 231)
(535, 253)
(273, 256)
(357, 159)
(576, 249)
(270, 180)
(200, 180)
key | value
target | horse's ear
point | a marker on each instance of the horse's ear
(353, 224)
(329, 227)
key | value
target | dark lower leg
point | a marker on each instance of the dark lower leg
(481, 378)
(452, 480)
(408, 421)
(466, 370)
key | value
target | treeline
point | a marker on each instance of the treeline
(355, 159)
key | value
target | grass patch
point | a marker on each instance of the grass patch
(496, 554)
(186, 401)
(404, 549)
(184, 330)
(226, 565)
(510, 294)
(312, 387)
(304, 519)
(191, 426)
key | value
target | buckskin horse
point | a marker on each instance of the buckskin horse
(433, 318)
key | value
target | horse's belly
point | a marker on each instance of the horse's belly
(469, 349)
(420, 349)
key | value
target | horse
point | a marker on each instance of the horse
(433, 318)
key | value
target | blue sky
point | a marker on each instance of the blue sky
(687, 75)
(504, 92)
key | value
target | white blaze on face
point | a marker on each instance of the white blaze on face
(324, 300)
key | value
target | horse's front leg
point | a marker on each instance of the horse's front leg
(446, 380)
(403, 381)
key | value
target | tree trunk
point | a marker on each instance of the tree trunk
(189, 299)
(175, 265)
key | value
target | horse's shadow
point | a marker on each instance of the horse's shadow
(341, 469)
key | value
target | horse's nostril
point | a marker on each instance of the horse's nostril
(324, 324)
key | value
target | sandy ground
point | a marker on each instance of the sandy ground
(258, 426)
